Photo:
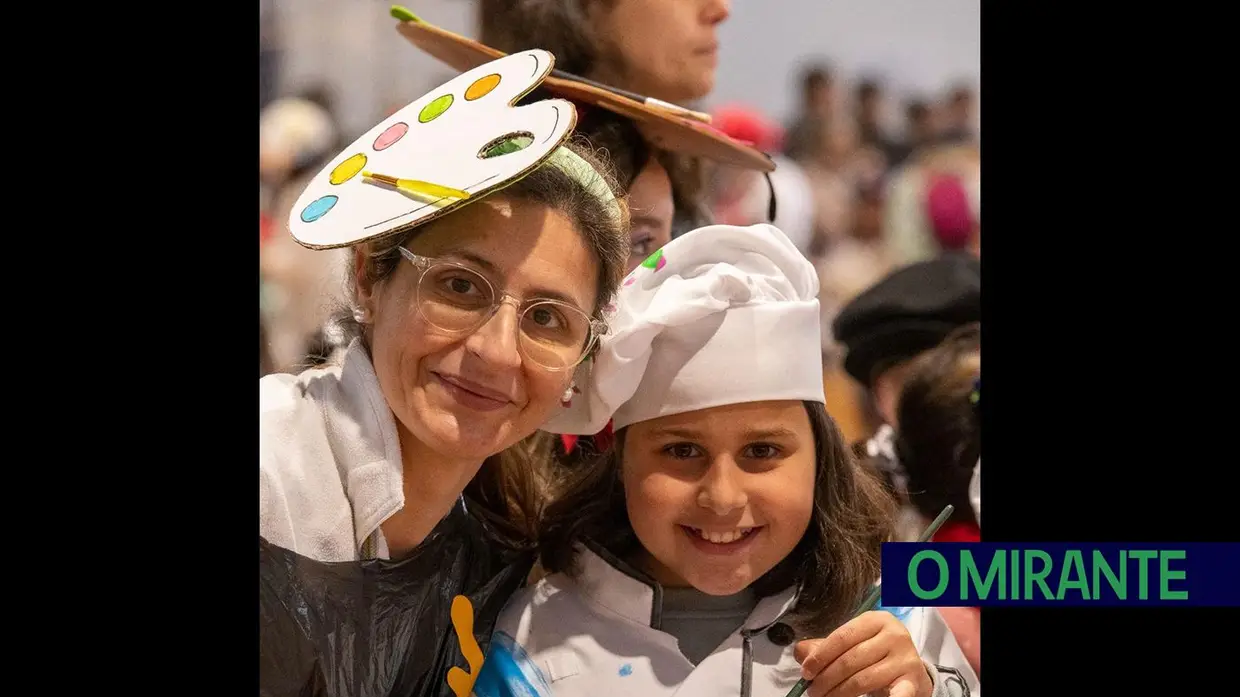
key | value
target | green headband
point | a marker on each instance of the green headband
(584, 174)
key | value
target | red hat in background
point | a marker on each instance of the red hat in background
(949, 211)
(748, 126)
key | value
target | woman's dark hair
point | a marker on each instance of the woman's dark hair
(834, 564)
(940, 437)
(617, 136)
(559, 26)
(630, 153)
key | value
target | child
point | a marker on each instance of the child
(729, 523)
(939, 445)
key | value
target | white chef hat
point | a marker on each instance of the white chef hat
(721, 315)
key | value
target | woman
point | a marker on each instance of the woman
(665, 50)
(468, 329)
(429, 409)
(644, 173)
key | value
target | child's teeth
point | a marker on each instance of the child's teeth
(723, 537)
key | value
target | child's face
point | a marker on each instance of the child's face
(719, 496)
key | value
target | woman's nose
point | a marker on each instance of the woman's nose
(495, 342)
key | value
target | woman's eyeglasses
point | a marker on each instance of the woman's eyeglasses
(455, 299)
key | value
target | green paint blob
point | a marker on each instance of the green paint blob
(435, 109)
(652, 261)
(508, 145)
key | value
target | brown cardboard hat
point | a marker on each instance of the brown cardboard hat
(666, 126)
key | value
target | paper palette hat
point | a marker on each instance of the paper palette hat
(455, 144)
(720, 315)
(666, 126)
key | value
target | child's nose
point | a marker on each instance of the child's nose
(721, 490)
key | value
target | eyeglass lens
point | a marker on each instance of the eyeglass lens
(456, 299)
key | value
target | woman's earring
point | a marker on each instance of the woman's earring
(359, 315)
(566, 400)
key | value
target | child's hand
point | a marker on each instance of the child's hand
(870, 654)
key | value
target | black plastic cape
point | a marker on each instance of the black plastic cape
(381, 628)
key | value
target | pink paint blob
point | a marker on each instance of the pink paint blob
(389, 137)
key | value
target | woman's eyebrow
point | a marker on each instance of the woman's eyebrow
(487, 265)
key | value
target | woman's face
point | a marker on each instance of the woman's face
(665, 49)
(470, 396)
(652, 208)
(719, 496)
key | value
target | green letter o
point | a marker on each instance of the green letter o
(912, 574)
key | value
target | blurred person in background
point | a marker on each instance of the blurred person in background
(294, 135)
(934, 203)
(885, 329)
(665, 50)
(268, 53)
(300, 287)
(921, 130)
(939, 444)
(960, 108)
(816, 107)
(642, 171)
(746, 197)
(871, 128)
(832, 166)
(854, 262)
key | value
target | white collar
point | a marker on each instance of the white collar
(361, 432)
(622, 589)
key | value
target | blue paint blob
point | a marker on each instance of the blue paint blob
(626, 670)
(318, 208)
(509, 672)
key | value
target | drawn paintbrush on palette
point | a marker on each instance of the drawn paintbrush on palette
(419, 189)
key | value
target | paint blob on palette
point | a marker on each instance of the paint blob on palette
(464, 135)
(348, 169)
(391, 136)
(318, 208)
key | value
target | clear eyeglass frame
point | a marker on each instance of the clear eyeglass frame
(596, 327)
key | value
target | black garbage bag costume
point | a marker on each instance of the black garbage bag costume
(381, 628)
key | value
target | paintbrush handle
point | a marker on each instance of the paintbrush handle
(641, 99)
(876, 592)
(678, 110)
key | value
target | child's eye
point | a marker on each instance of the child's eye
(762, 451)
(681, 451)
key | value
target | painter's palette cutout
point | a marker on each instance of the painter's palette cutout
(465, 134)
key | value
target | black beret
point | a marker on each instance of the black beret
(911, 310)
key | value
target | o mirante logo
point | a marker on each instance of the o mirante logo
(998, 574)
